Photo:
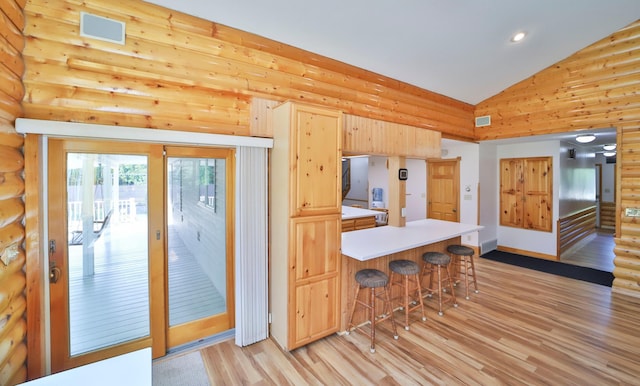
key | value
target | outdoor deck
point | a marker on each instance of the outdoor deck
(112, 305)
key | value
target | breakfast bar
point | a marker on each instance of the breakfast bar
(376, 247)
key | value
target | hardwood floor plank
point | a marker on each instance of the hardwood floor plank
(524, 327)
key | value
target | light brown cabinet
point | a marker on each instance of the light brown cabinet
(526, 193)
(305, 218)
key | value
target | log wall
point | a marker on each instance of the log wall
(13, 327)
(596, 87)
(180, 72)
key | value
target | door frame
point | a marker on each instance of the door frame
(58, 292)
(37, 132)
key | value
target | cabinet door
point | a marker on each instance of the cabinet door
(511, 185)
(315, 161)
(314, 284)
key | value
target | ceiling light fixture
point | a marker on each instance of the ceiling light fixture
(586, 138)
(609, 153)
(609, 147)
(518, 36)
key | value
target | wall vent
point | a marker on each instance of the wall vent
(483, 121)
(102, 28)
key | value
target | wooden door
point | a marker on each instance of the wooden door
(443, 186)
(106, 251)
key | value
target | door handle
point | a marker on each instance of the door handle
(54, 274)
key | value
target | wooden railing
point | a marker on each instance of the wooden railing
(608, 215)
(126, 211)
(575, 227)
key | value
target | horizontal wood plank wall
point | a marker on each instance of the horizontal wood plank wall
(596, 87)
(13, 327)
(374, 137)
(180, 72)
(575, 227)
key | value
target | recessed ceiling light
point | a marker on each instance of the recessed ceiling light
(609, 153)
(609, 147)
(586, 138)
(518, 36)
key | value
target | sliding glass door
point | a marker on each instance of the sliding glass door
(199, 242)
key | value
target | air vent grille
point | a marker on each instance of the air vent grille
(102, 28)
(483, 121)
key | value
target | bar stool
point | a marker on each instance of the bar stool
(465, 255)
(405, 274)
(376, 281)
(434, 263)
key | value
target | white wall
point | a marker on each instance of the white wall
(489, 194)
(359, 193)
(416, 190)
(469, 154)
(379, 178)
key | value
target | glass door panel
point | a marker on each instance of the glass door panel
(199, 284)
(108, 252)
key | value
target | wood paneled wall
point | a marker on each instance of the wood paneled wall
(180, 72)
(13, 327)
(596, 87)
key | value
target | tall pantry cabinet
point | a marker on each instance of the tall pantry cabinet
(305, 202)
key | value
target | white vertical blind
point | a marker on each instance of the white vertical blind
(251, 265)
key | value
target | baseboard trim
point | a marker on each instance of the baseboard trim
(527, 253)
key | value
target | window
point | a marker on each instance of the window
(526, 193)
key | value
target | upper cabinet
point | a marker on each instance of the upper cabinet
(315, 159)
(375, 137)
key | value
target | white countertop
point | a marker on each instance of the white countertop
(349, 212)
(375, 242)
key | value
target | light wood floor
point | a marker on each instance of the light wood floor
(595, 251)
(523, 328)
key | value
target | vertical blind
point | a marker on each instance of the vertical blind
(251, 265)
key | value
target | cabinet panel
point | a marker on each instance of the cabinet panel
(316, 154)
(316, 313)
(316, 249)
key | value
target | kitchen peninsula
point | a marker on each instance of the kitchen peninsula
(376, 247)
(357, 218)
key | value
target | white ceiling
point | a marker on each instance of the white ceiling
(458, 48)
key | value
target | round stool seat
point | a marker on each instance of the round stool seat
(460, 250)
(404, 267)
(437, 258)
(372, 278)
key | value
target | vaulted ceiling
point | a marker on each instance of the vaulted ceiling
(458, 48)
